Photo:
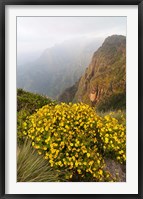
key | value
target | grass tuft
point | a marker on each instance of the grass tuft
(32, 167)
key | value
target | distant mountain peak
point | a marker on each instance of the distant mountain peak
(114, 39)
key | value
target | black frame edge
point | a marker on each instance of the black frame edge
(71, 2)
(73, 196)
(140, 99)
(2, 100)
(2, 96)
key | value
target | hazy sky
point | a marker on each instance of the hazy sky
(38, 33)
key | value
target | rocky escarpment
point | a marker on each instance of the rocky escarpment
(104, 81)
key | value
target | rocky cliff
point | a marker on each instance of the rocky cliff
(104, 82)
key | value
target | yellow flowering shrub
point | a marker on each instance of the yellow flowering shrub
(66, 135)
(112, 138)
(74, 138)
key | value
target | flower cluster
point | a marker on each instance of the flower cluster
(66, 135)
(112, 138)
(73, 137)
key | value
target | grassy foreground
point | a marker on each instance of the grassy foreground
(33, 168)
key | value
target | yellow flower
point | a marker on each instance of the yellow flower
(24, 124)
(79, 171)
(67, 127)
(88, 155)
(38, 139)
(55, 134)
(100, 172)
(36, 146)
(45, 148)
(91, 162)
(71, 176)
(106, 140)
(39, 152)
(76, 163)
(98, 161)
(33, 143)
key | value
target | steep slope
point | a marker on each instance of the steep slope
(104, 81)
(58, 67)
(69, 93)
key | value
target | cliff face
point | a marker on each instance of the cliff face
(105, 77)
(104, 81)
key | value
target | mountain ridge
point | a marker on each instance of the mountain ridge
(57, 68)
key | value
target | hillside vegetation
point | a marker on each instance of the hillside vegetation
(28, 103)
(74, 140)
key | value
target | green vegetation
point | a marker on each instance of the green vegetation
(120, 115)
(28, 103)
(33, 168)
(113, 102)
(70, 141)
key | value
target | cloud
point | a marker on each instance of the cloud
(39, 33)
